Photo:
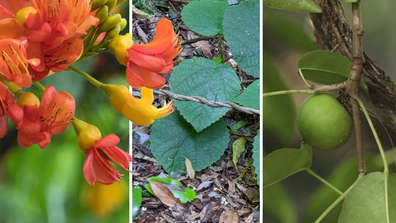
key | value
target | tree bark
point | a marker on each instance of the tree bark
(333, 32)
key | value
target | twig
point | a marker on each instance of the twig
(181, 1)
(207, 102)
(188, 41)
(353, 82)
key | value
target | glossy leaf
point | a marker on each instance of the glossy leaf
(294, 5)
(238, 125)
(136, 201)
(237, 149)
(324, 67)
(285, 162)
(366, 201)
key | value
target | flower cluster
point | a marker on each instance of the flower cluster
(40, 37)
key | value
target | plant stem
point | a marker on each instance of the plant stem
(303, 78)
(86, 76)
(353, 82)
(39, 86)
(323, 181)
(339, 199)
(288, 92)
(383, 156)
(10, 88)
(221, 48)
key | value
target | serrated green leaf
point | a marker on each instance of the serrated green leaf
(285, 162)
(184, 196)
(136, 201)
(173, 138)
(237, 149)
(238, 125)
(210, 14)
(242, 31)
(256, 156)
(324, 67)
(203, 77)
(250, 97)
(278, 112)
(366, 201)
(294, 5)
(278, 203)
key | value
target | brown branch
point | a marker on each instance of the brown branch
(333, 32)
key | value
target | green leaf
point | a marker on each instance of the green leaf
(136, 201)
(278, 203)
(294, 5)
(203, 77)
(217, 60)
(256, 156)
(324, 67)
(285, 162)
(172, 139)
(250, 97)
(238, 125)
(366, 201)
(184, 194)
(289, 31)
(278, 112)
(242, 31)
(237, 149)
(205, 17)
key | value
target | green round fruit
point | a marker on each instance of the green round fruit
(323, 122)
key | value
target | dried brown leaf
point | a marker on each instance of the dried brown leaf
(165, 195)
(229, 216)
(189, 168)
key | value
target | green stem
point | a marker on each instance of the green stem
(221, 48)
(86, 76)
(303, 78)
(383, 156)
(39, 86)
(323, 181)
(339, 199)
(10, 88)
(288, 92)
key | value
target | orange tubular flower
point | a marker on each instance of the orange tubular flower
(52, 116)
(99, 153)
(52, 29)
(146, 61)
(13, 62)
(8, 108)
(139, 111)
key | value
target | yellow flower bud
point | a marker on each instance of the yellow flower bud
(113, 33)
(123, 23)
(27, 99)
(23, 13)
(87, 134)
(119, 47)
(120, 1)
(111, 4)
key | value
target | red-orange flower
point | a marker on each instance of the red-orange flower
(14, 64)
(8, 108)
(99, 153)
(52, 116)
(146, 61)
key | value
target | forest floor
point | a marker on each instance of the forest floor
(220, 195)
